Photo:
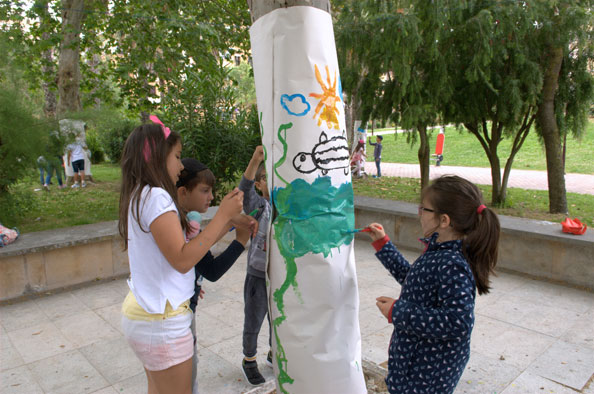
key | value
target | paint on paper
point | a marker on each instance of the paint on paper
(327, 100)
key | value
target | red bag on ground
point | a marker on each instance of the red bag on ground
(573, 226)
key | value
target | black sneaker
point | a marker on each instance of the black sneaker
(251, 373)
(269, 359)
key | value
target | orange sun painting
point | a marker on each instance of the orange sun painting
(328, 100)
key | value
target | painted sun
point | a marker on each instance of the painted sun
(328, 99)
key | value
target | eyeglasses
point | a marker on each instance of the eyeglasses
(422, 208)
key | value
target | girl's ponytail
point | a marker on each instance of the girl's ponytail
(480, 246)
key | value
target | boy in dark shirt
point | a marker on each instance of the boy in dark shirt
(194, 193)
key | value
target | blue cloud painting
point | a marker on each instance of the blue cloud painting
(298, 107)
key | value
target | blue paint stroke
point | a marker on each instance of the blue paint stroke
(287, 100)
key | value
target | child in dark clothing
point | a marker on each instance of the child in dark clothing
(434, 316)
(254, 292)
(194, 192)
(377, 153)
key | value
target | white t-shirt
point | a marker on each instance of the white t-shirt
(77, 151)
(153, 281)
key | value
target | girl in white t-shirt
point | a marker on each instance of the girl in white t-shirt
(156, 313)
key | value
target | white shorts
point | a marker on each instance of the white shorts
(160, 343)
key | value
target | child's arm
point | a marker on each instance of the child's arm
(168, 234)
(213, 268)
(454, 316)
(387, 253)
(251, 199)
(252, 168)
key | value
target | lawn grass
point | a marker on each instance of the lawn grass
(59, 208)
(463, 149)
(533, 204)
(42, 210)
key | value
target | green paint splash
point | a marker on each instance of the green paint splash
(284, 127)
(311, 219)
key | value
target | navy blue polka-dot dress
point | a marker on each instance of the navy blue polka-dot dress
(433, 318)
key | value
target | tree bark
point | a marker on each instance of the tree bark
(550, 133)
(260, 8)
(49, 107)
(68, 66)
(423, 155)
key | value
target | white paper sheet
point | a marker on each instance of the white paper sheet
(314, 300)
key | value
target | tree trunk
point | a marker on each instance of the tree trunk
(260, 8)
(307, 357)
(68, 66)
(423, 155)
(550, 133)
(49, 107)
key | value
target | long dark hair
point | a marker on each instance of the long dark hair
(144, 162)
(460, 200)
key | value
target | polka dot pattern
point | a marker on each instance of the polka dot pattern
(433, 318)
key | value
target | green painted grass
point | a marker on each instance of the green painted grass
(533, 204)
(463, 149)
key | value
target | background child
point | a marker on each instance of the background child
(76, 158)
(254, 290)
(377, 153)
(156, 313)
(357, 158)
(194, 193)
(434, 316)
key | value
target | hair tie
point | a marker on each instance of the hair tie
(480, 208)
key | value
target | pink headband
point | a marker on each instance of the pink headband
(166, 131)
(480, 209)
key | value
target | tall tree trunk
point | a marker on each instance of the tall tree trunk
(307, 356)
(550, 133)
(423, 155)
(49, 107)
(68, 66)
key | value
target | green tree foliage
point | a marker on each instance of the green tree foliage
(565, 29)
(475, 63)
(242, 78)
(399, 45)
(224, 145)
(23, 135)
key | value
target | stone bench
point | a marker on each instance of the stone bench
(531, 247)
(53, 259)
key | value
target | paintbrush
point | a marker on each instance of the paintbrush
(252, 214)
(357, 230)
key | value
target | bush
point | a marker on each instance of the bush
(97, 154)
(224, 145)
(22, 136)
(113, 139)
(16, 203)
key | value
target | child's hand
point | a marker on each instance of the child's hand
(384, 304)
(258, 155)
(245, 222)
(376, 231)
(201, 294)
(232, 204)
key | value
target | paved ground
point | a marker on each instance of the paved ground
(525, 179)
(529, 337)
